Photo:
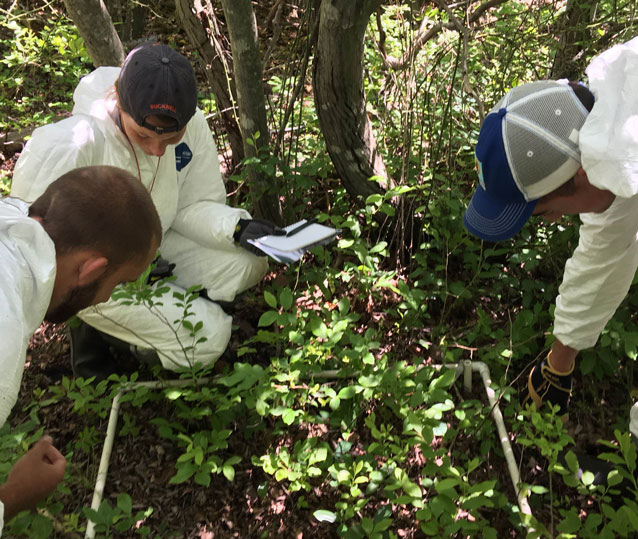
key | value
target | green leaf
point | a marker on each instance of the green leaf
(235, 459)
(368, 525)
(184, 472)
(539, 489)
(319, 329)
(411, 489)
(288, 416)
(446, 484)
(125, 503)
(614, 478)
(383, 525)
(285, 298)
(370, 381)
(270, 298)
(41, 527)
(229, 472)
(198, 455)
(378, 247)
(318, 455)
(572, 461)
(343, 476)
(443, 381)
(347, 392)
(174, 394)
(202, 477)
(374, 199)
(626, 514)
(323, 515)
(571, 522)
(489, 533)
(587, 478)
(267, 319)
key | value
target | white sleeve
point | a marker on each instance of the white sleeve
(608, 140)
(11, 365)
(202, 213)
(598, 275)
(14, 335)
(53, 150)
(1, 517)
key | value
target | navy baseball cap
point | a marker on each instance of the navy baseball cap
(527, 148)
(157, 80)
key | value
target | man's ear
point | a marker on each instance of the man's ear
(91, 269)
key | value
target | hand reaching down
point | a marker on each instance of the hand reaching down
(32, 478)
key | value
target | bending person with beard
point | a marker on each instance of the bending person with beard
(92, 229)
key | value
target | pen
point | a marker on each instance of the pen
(301, 227)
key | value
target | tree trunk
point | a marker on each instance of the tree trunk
(248, 75)
(575, 37)
(201, 26)
(129, 17)
(339, 96)
(96, 28)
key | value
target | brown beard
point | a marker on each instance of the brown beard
(77, 299)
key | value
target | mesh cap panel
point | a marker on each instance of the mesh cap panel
(531, 157)
(525, 90)
(559, 116)
(541, 135)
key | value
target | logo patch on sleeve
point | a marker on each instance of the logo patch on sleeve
(183, 156)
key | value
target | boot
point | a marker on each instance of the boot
(90, 353)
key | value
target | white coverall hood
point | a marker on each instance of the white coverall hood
(95, 94)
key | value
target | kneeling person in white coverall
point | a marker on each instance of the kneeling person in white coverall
(144, 118)
(540, 151)
(92, 229)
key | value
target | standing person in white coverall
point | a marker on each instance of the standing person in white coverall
(92, 229)
(540, 152)
(144, 118)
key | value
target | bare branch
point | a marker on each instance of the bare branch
(424, 34)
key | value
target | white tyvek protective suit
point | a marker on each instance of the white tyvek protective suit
(598, 275)
(189, 194)
(28, 275)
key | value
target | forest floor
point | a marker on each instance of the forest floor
(254, 504)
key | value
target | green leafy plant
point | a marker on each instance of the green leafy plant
(119, 518)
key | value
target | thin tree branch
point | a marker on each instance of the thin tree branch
(424, 34)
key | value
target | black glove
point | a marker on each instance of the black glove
(251, 229)
(163, 268)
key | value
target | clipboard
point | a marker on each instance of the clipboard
(301, 236)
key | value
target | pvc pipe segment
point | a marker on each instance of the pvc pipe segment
(110, 437)
(466, 368)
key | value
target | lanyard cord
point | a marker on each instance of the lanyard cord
(137, 163)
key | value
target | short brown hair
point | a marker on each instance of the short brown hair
(102, 208)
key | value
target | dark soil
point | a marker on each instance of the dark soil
(142, 465)
(254, 504)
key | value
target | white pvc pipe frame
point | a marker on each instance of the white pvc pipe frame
(467, 367)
